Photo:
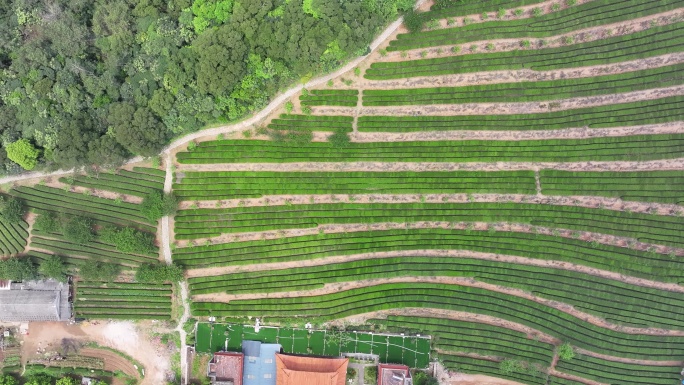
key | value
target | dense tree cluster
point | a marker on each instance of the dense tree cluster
(95, 81)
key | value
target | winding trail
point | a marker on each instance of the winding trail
(216, 271)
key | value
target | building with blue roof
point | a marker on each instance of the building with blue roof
(259, 361)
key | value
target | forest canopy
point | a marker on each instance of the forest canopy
(86, 82)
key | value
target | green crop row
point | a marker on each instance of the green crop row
(651, 42)
(123, 300)
(530, 91)
(612, 372)
(456, 298)
(649, 186)
(553, 380)
(104, 210)
(545, 247)
(480, 338)
(198, 223)
(614, 300)
(586, 15)
(312, 123)
(629, 148)
(125, 285)
(442, 9)
(330, 98)
(223, 185)
(626, 114)
(13, 237)
(126, 182)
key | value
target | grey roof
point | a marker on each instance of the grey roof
(35, 301)
(260, 366)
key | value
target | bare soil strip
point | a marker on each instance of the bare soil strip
(505, 45)
(651, 165)
(505, 108)
(627, 360)
(113, 361)
(471, 226)
(571, 377)
(524, 75)
(214, 271)
(562, 200)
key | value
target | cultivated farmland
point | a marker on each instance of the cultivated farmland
(507, 180)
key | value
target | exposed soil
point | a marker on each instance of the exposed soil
(504, 108)
(113, 361)
(127, 337)
(627, 360)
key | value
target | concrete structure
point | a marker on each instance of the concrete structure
(390, 374)
(300, 370)
(260, 367)
(35, 301)
(225, 368)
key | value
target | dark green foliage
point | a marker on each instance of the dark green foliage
(79, 230)
(47, 221)
(99, 271)
(8, 380)
(339, 139)
(122, 300)
(157, 204)
(17, 269)
(53, 267)
(88, 82)
(413, 21)
(128, 240)
(158, 273)
(421, 378)
(11, 210)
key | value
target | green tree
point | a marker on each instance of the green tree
(53, 267)
(566, 352)
(159, 273)
(66, 381)
(11, 209)
(370, 375)
(17, 269)
(509, 366)
(99, 271)
(157, 204)
(422, 378)
(46, 221)
(79, 230)
(39, 379)
(8, 380)
(413, 21)
(23, 153)
(128, 240)
(339, 139)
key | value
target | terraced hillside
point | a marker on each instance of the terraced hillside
(512, 186)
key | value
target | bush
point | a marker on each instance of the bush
(128, 240)
(159, 273)
(53, 267)
(405, 5)
(17, 269)
(413, 21)
(370, 375)
(339, 139)
(422, 378)
(11, 209)
(92, 270)
(157, 204)
(79, 230)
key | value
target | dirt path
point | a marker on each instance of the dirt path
(555, 373)
(460, 281)
(627, 360)
(586, 236)
(185, 369)
(566, 133)
(113, 361)
(522, 75)
(214, 271)
(609, 203)
(513, 44)
(504, 108)
(651, 165)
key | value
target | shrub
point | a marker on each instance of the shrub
(525, 43)
(422, 378)
(455, 49)
(79, 230)
(53, 267)
(451, 21)
(432, 24)
(501, 13)
(405, 5)
(306, 110)
(484, 16)
(467, 21)
(23, 153)
(518, 12)
(99, 271)
(383, 52)
(490, 46)
(568, 40)
(192, 146)
(158, 273)
(339, 139)
(11, 209)
(157, 204)
(370, 375)
(537, 12)
(413, 21)
(556, 7)
(509, 366)
(357, 71)
(570, 3)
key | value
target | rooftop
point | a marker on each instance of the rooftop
(259, 368)
(35, 301)
(226, 368)
(389, 374)
(298, 370)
